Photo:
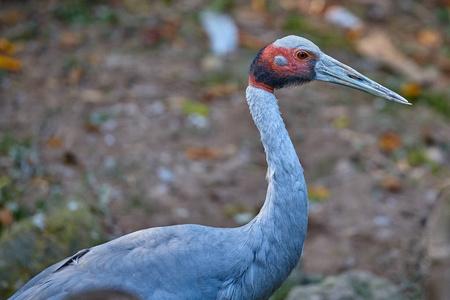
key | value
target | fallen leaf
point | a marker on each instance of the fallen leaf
(389, 141)
(95, 59)
(289, 4)
(403, 166)
(75, 75)
(54, 143)
(7, 47)
(250, 41)
(377, 41)
(93, 128)
(428, 135)
(318, 193)
(391, 184)
(410, 89)
(341, 122)
(92, 96)
(70, 40)
(355, 34)
(40, 183)
(220, 90)
(9, 63)
(429, 38)
(164, 30)
(202, 153)
(6, 217)
(169, 30)
(11, 17)
(259, 5)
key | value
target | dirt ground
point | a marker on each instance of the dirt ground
(127, 110)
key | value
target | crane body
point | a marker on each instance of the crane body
(200, 262)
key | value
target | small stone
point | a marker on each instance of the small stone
(212, 63)
(39, 220)
(158, 108)
(92, 96)
(349, 285)
(166, 175)
(72, 205)
(110, 162)
(381, 221)
(349, 262)
(110, 140)
(198, 121)
(110, 125)
(436, 155)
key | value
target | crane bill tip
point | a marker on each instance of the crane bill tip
(399, 99)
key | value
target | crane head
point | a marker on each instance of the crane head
(294, 60)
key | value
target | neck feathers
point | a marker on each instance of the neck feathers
(282, 221)
(286, 195)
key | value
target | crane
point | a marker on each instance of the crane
(199, 262)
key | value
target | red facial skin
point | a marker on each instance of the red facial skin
(295, 67)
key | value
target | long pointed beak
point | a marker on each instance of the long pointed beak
(332, 70)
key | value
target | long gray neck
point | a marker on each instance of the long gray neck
(286, 194)
(282, 220)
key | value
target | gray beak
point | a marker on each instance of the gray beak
(331, 70)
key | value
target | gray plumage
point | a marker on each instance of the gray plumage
(199, 262)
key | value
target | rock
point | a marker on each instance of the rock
(352, 285)
(28, 248)
(438, 248)
(222, 31)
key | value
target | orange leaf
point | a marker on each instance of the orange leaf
(202, 153)
(318, 193)
(7, 47)
(70, 40)
(390, 141)
(220, 90)
(259, 5)
(6, 217)
(9, 63)
(391, 184)
(75, 75)
(251, 41)
(429, 38)
(410, 89)
(11, 17)
(54, 143)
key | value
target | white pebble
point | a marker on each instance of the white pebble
(381, 221)
(110, 140)
(39, 220)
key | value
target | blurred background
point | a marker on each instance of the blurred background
(121, 115)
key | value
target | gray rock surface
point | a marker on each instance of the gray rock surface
(352, 285)
(438, 249)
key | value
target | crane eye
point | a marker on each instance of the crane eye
(301, 55)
